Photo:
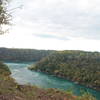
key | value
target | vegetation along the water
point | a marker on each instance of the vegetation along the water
(78, 66)
(10, 90)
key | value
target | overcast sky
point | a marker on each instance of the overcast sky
(54, 24)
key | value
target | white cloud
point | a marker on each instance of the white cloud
(75, 22)
(30, 41)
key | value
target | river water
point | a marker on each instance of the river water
(22, 75)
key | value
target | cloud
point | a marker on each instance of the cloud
(57, 20)
(50, 36)
(29, 41)
(74, 18)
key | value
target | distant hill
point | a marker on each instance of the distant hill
(78, 66)
(19, 55)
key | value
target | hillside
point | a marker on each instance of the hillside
(78, 66)
(4, 70)
(22, 55)
(10, 90)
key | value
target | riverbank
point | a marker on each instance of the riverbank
(74, 81)
(10, 90)
(77, 66)
(46, 81)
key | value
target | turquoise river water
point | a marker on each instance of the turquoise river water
(22, 75)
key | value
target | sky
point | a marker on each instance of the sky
(54, 24)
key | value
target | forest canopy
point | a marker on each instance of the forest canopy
(79, 66)
(22, 55)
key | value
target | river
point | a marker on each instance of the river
(24, 76)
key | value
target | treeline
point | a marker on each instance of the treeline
(19, 55)
(81, 67)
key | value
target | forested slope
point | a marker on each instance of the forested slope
(10, 90)
(4, 70)
(19, 55)
(81, 67)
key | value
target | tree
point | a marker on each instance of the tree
(4, 15)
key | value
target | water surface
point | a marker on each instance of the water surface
(24, 76)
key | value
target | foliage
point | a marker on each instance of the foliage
(13, 91)
(81, 67)
(86, 96)
(4, 70)
(4, 16)
(10, 90)
(22, 55)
